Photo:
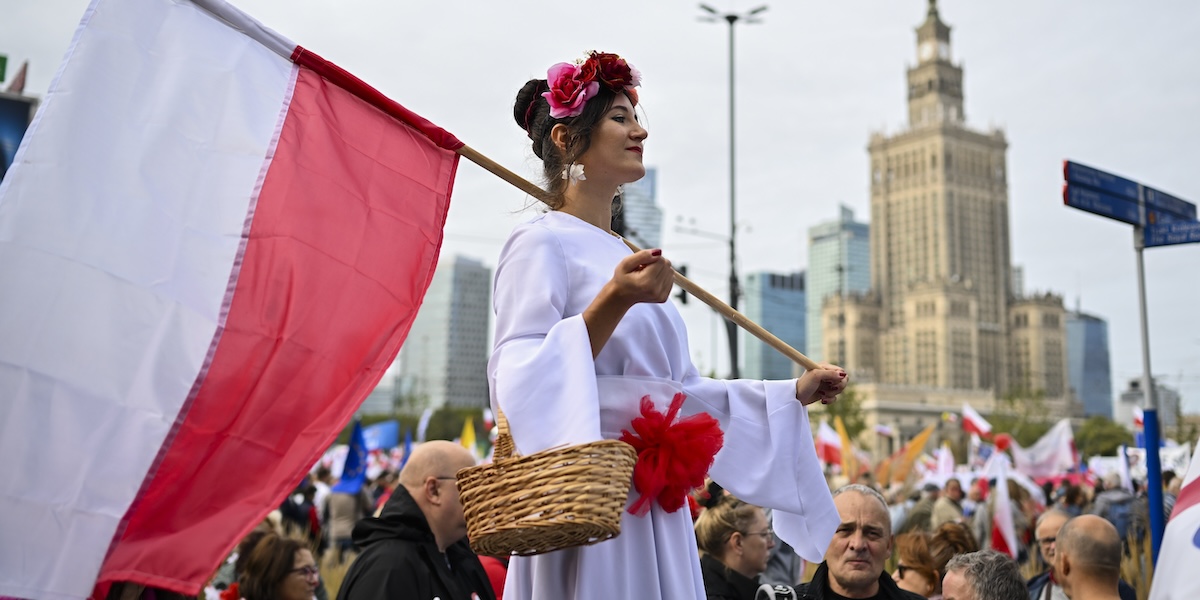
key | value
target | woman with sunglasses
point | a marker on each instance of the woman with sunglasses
(279, 569)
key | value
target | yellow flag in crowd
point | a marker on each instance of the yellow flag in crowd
(467, 439)
(911, 452)
(849, 460)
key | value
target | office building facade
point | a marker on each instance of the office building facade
(776, 301)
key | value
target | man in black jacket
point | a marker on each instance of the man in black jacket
(417, 547)
(853, 566)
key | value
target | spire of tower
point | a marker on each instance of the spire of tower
(933, 8)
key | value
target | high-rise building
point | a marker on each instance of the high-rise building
(640, 219)
(940, 260)
(1037, 358)
(1088, 365)
(839, 263)
(444, 358)
(1134, 396)
(775, 301)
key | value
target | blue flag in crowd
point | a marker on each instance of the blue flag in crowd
(354, 470)
(407, 447)
(382, 436)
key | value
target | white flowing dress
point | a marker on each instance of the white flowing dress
(542, 375)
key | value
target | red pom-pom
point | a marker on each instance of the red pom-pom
(231, 592)
(673, 456)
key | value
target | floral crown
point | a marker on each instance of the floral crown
(573, 84)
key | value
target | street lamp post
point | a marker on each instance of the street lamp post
(713, 15)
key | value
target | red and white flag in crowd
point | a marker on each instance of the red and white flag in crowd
(212, 242)
(1175, 573)
(1139, 417)
(973, 422)
(829, 444)
(1004, 533)
(1051, 456)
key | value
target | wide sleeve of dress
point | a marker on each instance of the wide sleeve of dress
(541, 373)
(769, 458)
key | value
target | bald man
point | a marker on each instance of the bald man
(417, 546)
(1087, 558)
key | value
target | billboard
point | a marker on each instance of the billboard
(16, 112)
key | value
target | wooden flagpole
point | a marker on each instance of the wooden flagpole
(690, 287)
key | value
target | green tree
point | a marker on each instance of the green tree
(1100, 436)
(849, 408)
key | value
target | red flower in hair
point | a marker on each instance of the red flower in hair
(572, 85)
(615, 72)
(673, 456)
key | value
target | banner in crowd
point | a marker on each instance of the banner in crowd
(1053, 454)
(212, 242)
(1175, 573)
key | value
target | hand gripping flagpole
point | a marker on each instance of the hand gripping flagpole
(688, 285)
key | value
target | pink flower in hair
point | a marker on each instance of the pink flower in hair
(569, 91)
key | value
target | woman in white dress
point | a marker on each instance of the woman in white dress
(586, 343)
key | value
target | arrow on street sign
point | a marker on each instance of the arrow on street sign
(1172, 233)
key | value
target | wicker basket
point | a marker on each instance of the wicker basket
(549, 500)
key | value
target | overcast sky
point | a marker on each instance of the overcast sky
(1110, 83)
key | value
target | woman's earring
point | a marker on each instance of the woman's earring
(573, 172)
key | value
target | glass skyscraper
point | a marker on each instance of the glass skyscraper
(775, 301)
(839, 262)
(1088, 366)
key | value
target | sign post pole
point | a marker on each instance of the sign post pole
(1150, 414)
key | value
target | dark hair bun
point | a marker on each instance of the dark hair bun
(528, 113)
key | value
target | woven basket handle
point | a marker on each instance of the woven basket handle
(505, 448)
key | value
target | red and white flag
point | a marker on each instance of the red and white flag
(973, 422)
(1004, 533)
(1175, 573)
(829, 444)
(212, 243)
(1139, 417)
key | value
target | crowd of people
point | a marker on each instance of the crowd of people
(408, 539)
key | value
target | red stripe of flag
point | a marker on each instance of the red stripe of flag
(343, 243)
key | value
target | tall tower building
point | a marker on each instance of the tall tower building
(1088, 364)
(839, 264)
(940, 261)
(640, 217)
(1038, 350)
(775, 301)
(444, 358)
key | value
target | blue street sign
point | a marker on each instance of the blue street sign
(1170, 204)
(1105, 205)
(1117, 198)
(1172, 233)
(1102, 181)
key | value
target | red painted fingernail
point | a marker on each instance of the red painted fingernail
(656, 252)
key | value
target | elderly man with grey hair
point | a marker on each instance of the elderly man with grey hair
(983, 575)
(853, 565)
